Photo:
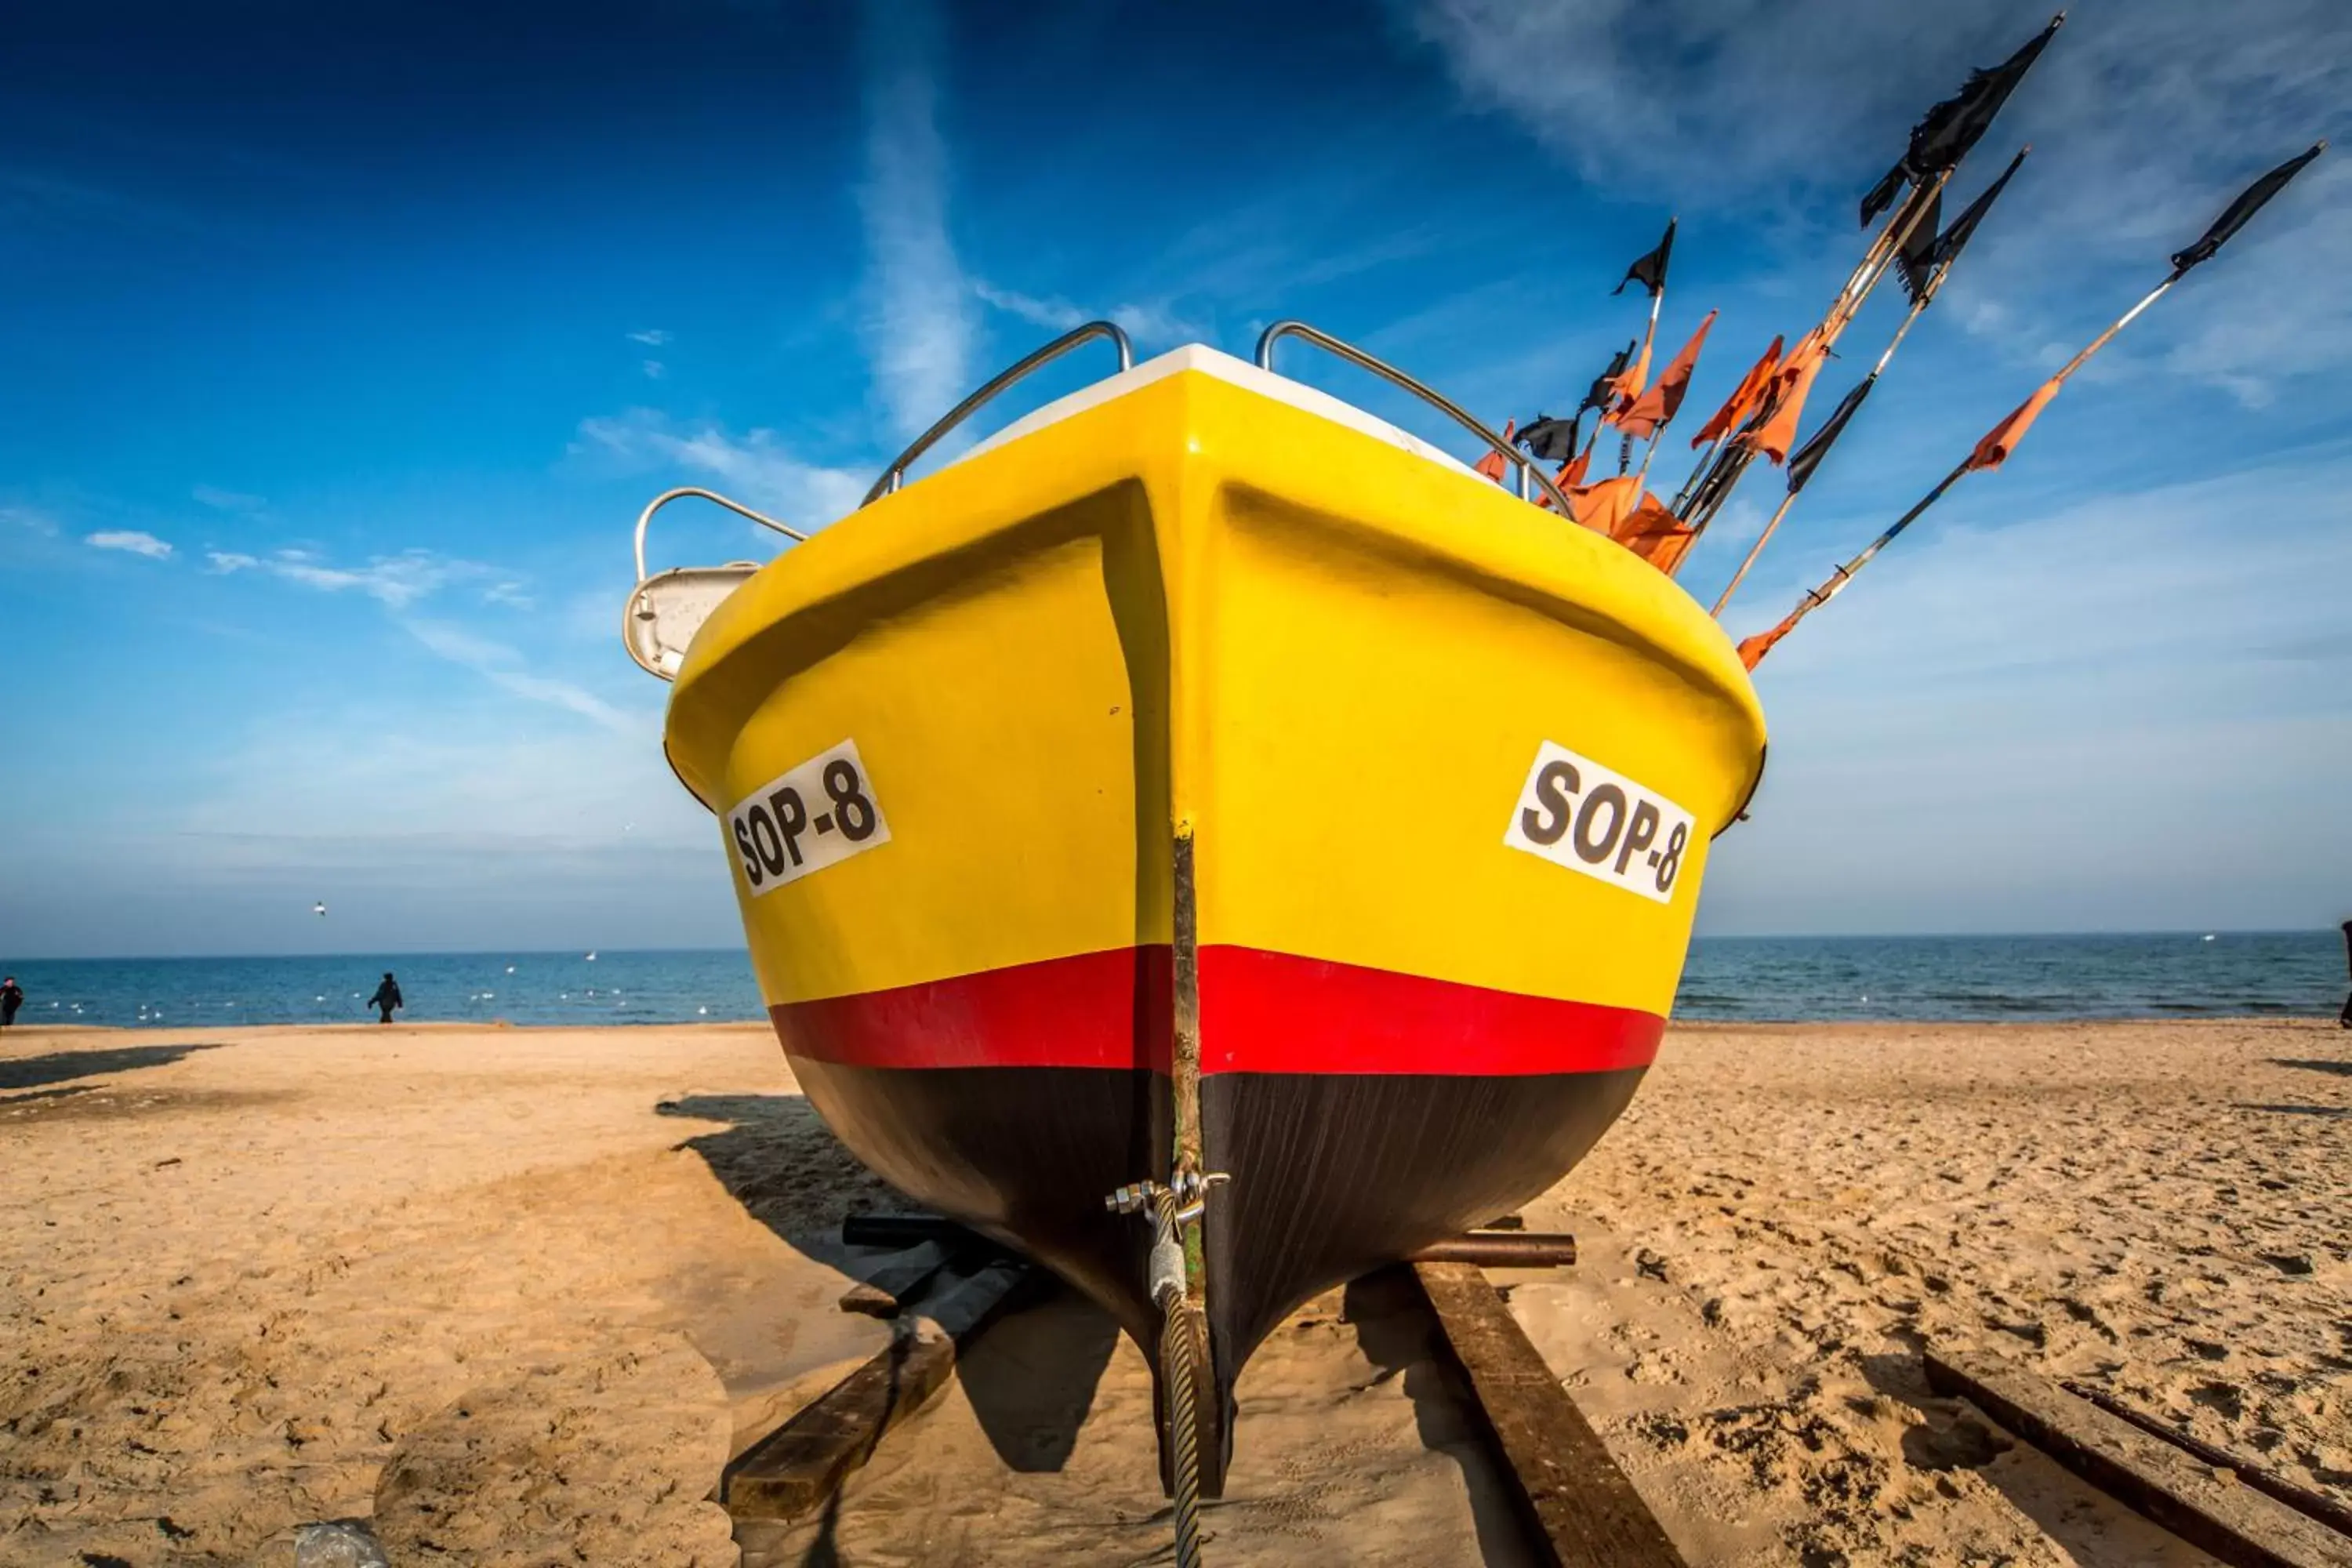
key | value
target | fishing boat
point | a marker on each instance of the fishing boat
(1205, 799)
(1215, 842)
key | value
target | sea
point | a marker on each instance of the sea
(1754, 979)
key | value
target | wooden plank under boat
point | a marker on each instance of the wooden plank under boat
(1442, 767)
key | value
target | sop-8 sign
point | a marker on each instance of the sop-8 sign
(818, 814)
(1575, 813)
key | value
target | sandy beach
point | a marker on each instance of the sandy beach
(515, 1295)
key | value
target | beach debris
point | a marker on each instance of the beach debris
(338, 1544)
(2205, 1504)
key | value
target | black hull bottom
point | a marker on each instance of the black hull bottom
(1333, 1174)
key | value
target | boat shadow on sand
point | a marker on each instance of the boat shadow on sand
(1031, 1382)
(1034, 1377)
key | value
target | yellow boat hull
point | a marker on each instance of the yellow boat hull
(1443, 768)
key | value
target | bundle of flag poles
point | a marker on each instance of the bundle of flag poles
(2001, 441)
(1761, 416)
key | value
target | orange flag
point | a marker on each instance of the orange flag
(1743, 399)
(1753, 649)
(1655, 534)
(1494, 464)
(1602, 507)
(1793, 382)
(1655, 408)
(2002, 439)
(1627, 387)
(1571, 475)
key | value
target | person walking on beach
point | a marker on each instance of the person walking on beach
(2343, 1019)
(12, 996)
(387, 997)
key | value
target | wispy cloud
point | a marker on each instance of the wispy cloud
(130, 541)
(653, 337)
(220, 500)
(29, 521)
(1153, 324)
(919, 328)
(504, 667)
(654, 369)
(395, 582)
(403, 582)
(754, 467)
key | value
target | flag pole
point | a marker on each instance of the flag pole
(1753, 552)
(1690, 484)
(1795, 490)
(1816, 597)
(1644, 472)
(1641, 360)
(1947, 254)
(1997, 444)
(1715, 485)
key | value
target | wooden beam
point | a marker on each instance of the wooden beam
(2303, 1500)
(1583, 1510)
(895, 1282)
(2207, 1509)
(790, 1473)
(1512, 1249)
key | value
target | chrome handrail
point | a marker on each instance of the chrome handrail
(736, 506)
(895, 475)
(1435, 399)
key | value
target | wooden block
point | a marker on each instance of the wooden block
(790, 1473)
(897, 1280)
(1518, 1249)
(2207, 1509)
(1584, 1509)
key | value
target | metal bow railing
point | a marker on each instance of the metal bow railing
(895, 474)
(1435, 399)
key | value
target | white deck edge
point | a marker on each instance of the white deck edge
(1226, 367)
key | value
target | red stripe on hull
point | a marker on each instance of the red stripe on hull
(1272, 1011)
(1260, 1012)
(1111, 1009)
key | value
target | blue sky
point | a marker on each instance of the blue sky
(346, 343)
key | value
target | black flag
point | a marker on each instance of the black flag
(1605, 389)
(1553, 440)
(1917, 257)
(2248, 204)
(1650, 270)
(1920, 276)
(1807, 458)
(1944, 135)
